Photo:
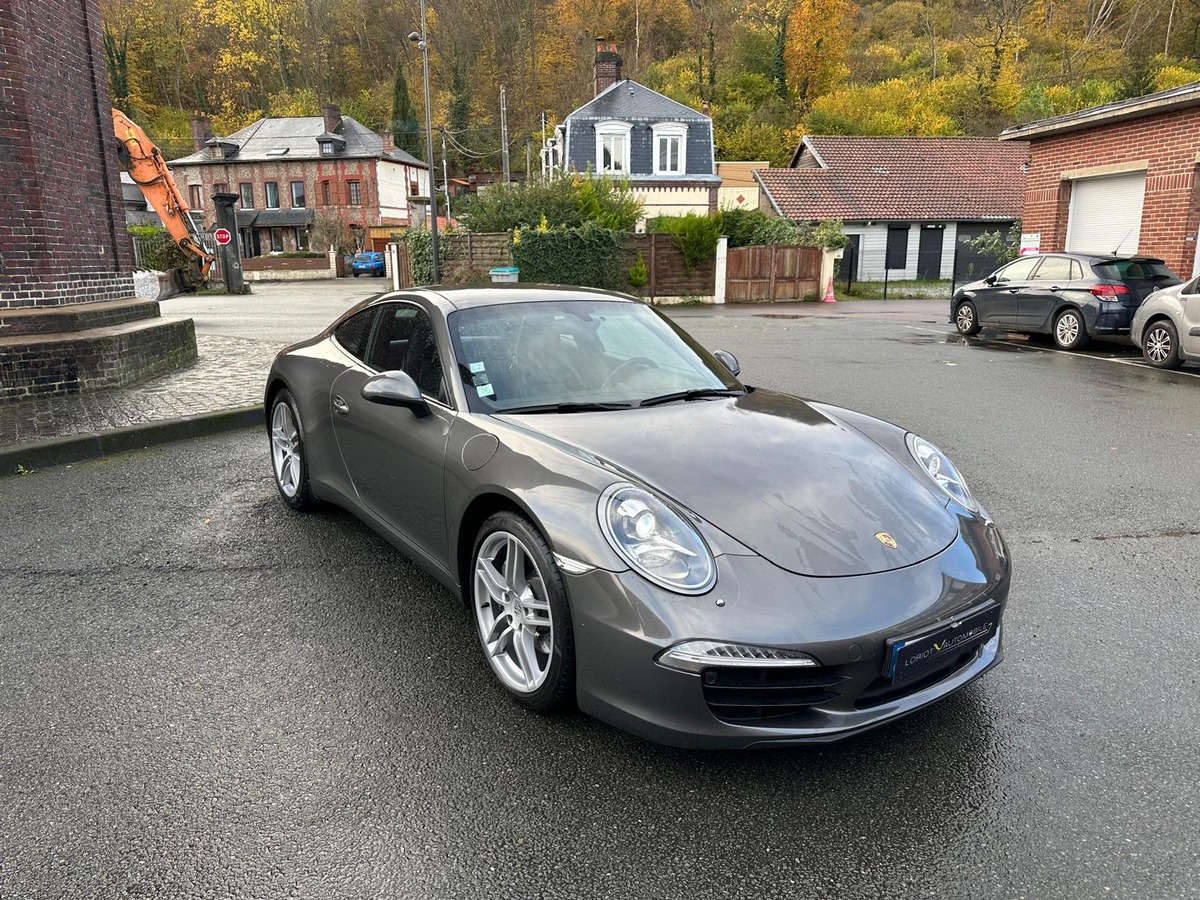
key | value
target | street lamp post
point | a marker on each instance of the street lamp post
(422, 42)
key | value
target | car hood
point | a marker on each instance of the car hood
(792, 484)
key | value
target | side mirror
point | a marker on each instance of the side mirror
(991, 279)
(396, 388)
(728, 360)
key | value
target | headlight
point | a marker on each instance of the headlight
(656, 541)
(937, 466)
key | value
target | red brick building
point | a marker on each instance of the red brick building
(62, 231)
(289, 170)
(1118, 178)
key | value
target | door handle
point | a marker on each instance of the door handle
(1014, 290)
(340, 406)
(1055, 289)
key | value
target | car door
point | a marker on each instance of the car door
(1054, 281)
(998, 302)
(1189, 333)
(395, 460)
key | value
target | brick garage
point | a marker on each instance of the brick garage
(62, 236)
(1155, 138)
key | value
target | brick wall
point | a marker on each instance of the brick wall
(80, 363)
(62, 236)
(1171, 212)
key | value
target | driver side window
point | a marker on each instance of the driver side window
(404, 339)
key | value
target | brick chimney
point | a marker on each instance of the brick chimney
(333, 118)
(389, 142)
(607, 64)
(201, 130)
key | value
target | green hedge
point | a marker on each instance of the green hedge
(590, 256)
(562, 201)
(158, 249)
(420, 254)
(695, 235)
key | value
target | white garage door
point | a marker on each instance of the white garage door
(1106, 214)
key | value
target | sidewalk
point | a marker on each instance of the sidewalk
(224, 388)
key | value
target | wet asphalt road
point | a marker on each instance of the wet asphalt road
(204, 695)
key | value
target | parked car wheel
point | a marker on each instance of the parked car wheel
(288, 459)
(355, 274)
(521, 613)
(1160, 345)
(1069, 330)
(966, 319)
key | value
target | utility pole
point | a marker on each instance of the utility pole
(503, 133)
(422, 42)
(446, 177)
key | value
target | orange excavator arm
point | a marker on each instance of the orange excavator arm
(145, 165)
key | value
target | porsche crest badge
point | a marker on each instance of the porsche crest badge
(886, 539)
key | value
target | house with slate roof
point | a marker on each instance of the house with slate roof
(288, 170)
(628, 131)
(905, 202)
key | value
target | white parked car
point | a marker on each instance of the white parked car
(1167, 326)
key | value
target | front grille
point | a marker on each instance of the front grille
(740, 695)
(881, 690)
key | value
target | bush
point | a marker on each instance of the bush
(298, 254)
(695, 235)
(158, 250)
(753, 227)
(638, 273)
(589, 256)
(420, 254)
(562, 201)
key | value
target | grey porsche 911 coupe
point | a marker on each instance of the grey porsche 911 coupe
(633, 529)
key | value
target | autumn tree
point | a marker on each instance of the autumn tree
(815, 47)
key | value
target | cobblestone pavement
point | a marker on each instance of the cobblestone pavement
(229, 373)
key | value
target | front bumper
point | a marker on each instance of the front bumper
(622, 623)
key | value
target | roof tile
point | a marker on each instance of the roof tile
(902, 178)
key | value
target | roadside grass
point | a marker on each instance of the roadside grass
(933, 289)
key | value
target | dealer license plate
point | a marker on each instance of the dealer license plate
(912, 657)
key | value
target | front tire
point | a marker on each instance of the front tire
(289, 461)
(1069, 331)
(1160, 345)
(966, 318)
(521, 613)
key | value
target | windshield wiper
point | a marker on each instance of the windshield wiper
(564, 408)
(693, 394)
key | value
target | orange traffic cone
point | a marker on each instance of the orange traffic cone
(829, 298)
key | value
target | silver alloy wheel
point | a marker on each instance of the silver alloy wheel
(285, 449)
(965, 318)
(513, 612)
(1158, 344)
(1067, 329)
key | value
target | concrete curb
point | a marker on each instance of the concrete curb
(81, 447)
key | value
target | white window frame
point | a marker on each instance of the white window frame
(611, 130)
(670, 130)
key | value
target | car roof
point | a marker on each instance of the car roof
(1098, 257)
(449, 298)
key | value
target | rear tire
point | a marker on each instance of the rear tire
(1069, 331)
(966, 318)
(1160, 345)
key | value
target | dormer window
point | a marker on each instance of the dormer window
(670, 148)
(612, 148)
(331, 144)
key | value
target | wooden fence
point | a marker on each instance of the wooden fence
(669, 276)
(772, 273)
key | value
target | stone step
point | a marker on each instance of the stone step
(38, 365)
(76, 317)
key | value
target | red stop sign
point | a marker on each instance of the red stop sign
(222, 236)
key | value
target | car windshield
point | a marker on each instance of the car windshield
(1135, 270)
(568, 355)
(364, 257)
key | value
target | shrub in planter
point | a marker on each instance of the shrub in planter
(638, 273)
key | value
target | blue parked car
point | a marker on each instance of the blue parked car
(367, 264)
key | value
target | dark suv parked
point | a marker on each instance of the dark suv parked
(1072, 296)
